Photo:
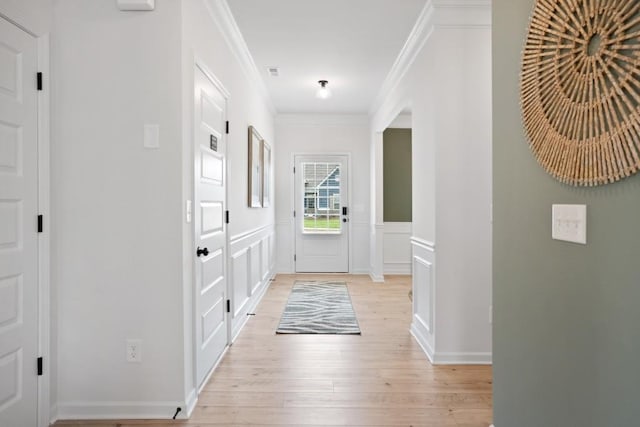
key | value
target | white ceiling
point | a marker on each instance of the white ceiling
(350, 43)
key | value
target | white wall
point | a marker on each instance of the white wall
(463, 195)
(116, 238)
(323, 134)
(251, 230)
(446, 80)
(122, 251)
(397, 248)
(32, 15)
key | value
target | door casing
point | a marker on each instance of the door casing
(292, 199)
(201, 65)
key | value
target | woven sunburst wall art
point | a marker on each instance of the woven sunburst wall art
(580, 89)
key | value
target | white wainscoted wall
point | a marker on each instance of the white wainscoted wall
(443, 76)
(306, 134)
(251, 269)
(423, 260)
(397, 247)
(210, 36)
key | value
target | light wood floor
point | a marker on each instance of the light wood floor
(381, 378)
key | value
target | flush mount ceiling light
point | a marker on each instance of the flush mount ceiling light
(323, 91)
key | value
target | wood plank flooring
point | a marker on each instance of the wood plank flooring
(381, 378)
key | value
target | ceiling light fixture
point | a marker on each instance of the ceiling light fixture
(323, 91)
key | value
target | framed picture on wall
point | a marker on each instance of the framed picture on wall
(266, 174)
(255, 168)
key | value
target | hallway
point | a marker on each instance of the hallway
(379, 378)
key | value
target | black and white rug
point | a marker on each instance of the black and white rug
(319, 308)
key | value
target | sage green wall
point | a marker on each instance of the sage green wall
(397, 175)
(566, 317)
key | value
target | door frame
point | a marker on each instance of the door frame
(44, 407)
(292, 198)
(45, 411)
(199, 63)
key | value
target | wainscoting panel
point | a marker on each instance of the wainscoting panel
(252, 264)
(255, 257)
(423, 295)
(422, 327)
(265, 252)
(239, 280)
(397, 247)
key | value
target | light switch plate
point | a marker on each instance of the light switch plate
(151, 136)
(569, 223)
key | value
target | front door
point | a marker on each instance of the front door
(18, 228)
(210, 227)
(321, 221)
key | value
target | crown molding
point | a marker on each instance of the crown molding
(417, 38)
(222, 16)
(436, 14)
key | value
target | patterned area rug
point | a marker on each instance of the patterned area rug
(319, 308)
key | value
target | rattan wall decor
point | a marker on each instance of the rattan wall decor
(580, 89)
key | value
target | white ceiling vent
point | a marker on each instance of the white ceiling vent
(273, 71)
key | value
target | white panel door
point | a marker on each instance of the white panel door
(210, 227)
(322, 221)
(18, 228)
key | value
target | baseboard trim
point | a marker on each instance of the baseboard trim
(462, 358)
(192, 400)
(53, 413)
(420, 334)
(400, 268)
(376, 278)
(119, 410)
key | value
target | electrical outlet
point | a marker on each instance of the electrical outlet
(134, 351)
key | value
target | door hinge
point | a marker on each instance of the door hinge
(226, 217)
(40, 362)
(40, 226)
(294, 214)
(227, 127)
(294, 257)
(39, 81)
(294, 169)
(228, 306)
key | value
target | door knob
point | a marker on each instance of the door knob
(200, 252)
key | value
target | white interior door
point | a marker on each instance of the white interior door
(210, 227)
(18, 228)
(322, 221)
